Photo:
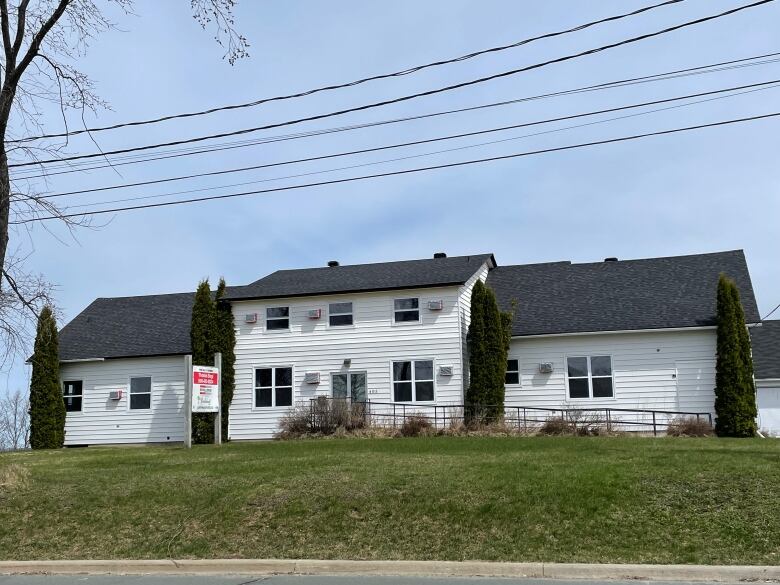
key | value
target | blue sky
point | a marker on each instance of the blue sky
(698, 192)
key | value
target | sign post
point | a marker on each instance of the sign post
(218, 417)
(188, 401)
(203, 393)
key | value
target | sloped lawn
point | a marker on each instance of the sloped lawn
(522, 499)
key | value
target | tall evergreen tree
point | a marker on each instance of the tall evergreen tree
(488, 345)
(225, 344)
(735, 395)
(202, 340)
(47, 408)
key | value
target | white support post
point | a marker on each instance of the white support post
(188, 401)
(218, 418)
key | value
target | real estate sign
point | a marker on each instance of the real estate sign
(205, 389)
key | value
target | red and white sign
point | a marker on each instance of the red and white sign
(205, 389)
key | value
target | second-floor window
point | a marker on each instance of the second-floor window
(72, 394)
(340, 314)
(406, 310)
(277, 318)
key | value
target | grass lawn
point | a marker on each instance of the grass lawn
(521, 499)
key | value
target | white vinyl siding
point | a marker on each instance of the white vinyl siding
(105, 421)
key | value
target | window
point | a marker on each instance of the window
(339, 314)
(273, 387)
(512, 372)
(590, 377)
(72, 393)
(406, 310)
(351, 385)
(141, 393)
(413, 381)
(277, 318)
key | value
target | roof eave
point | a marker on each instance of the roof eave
(345, 292)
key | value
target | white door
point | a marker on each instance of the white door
(768, 402)
(696, 385)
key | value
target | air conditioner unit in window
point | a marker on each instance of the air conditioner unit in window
(435, 305)
(311, 377)
(545, 368)
(250, 318)
(315, 313)
(115, 395)
(445, 370)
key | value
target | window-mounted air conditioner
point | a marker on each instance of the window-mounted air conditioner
(115, 395)
(545, 368)
(435, 305)
(315, 313)
(250, 318)
(445, 370)
(311, 378)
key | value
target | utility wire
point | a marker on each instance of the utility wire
(400, 73)
(770, 313)
(403, 98)
(405, 171)
(763, 85)
(413, 156)
(138, 158)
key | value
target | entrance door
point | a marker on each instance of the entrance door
(350, 385)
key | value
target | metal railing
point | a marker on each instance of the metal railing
(326, 413)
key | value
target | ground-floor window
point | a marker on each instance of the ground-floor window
(413, 381)
(141, 393)
(273, 387)
(590, 376)
(349, 385)
(512, 375)
(72, 394)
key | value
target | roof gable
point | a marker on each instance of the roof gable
(766, 350)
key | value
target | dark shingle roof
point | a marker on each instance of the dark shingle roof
(363, 277)
(766, 350)
(655, 293)
(129, 327)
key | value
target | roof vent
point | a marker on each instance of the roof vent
(333, 263)
(610, 259)
(440, 255)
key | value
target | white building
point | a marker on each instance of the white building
(765, 338)
(636, 334)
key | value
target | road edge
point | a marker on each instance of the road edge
(720, 573)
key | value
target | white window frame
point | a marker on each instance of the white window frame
(151, 392)
(413, 380)
(403, 323)
(64, 396)
(348, 374)
(351, 313)
(267, 318)
(519, 382)
(273, 387)
(590, 377)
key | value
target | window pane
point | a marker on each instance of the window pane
(423, 370)
(578, 388)
(72, 404)
(263, 377)
(358, 382)
(283, 377)
(602, 387)
(512, 378)
(402, 391)
(339, 385)
(402, 371)
(401, 304)
(140, 385)
(275, 324)
(601, 365)
(72, 388)
(284, 396)
(272, 312)
(140, 401)
(578, 366)
(337, 320)
(512, 366)
(340, 308)
(263, 397)
(424, 391)
(401, 316)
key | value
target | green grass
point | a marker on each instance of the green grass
(521, 499)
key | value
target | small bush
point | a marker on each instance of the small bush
(689, 427)
(415, 425)
(556, 425)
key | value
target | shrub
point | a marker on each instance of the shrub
(323, 416)
(556, 425)
(689, 427)
(415, 425)
(296, 423)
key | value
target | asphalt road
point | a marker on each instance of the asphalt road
(298, 580)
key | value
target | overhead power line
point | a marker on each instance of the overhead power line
(404, 171)
(400, 73)
(403, 98)
(763, 84)
(176, 153)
